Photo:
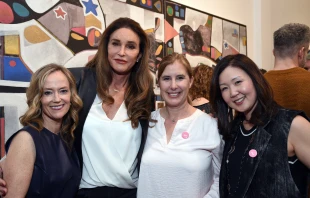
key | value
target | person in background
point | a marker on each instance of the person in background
(117, 91)
(183, 150)
(267, 147)
(199, 91)
(41, 160)
(288, 79)
(307, 65)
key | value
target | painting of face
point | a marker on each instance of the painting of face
(123, 50)
(174, 84)
(56, 98)
(238, 90)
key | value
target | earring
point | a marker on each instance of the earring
(137, 60)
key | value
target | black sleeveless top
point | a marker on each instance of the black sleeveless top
(206, 107)
(56, 170)
(235, 162)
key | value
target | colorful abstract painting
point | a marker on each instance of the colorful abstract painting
(67, 32)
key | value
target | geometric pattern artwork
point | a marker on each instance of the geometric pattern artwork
(202, 37)
(67, 32)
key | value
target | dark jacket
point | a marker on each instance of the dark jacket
(86, 86)
(268, 174)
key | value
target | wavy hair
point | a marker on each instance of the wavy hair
(139, 93)
(265, 107)
(33, 115)
(202, 78)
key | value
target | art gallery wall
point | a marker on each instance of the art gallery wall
(261, 17)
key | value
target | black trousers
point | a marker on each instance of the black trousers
(106, 192)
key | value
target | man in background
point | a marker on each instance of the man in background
(288, 79)
(307, 66)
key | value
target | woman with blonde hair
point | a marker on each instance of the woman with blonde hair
(41, 160)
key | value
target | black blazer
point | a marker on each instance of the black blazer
(86, 87)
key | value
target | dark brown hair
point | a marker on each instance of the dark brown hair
(265, 104)
(138, 95)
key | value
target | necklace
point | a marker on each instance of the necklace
(244, 134)
(243, 157)
(116, 90)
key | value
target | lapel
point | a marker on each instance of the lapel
(250, 164)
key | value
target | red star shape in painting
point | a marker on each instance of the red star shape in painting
(60, 13)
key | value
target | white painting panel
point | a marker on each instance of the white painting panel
(217, 33)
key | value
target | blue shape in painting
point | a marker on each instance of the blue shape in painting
(90, 7)
(177, 14)
(17, 73)
(182, 13)
(20, 10)
(176, 7)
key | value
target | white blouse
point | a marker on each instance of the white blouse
(188, 166)
(109, 149)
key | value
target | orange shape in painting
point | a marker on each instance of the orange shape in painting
(215, 54)
(77, 37)
(158, 50)
(11, 44)
(170, 32)
(34, 35)
(12, 63)
(92, 21)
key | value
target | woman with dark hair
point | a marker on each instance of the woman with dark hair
(267, 147)
(117, 91)
(40, 159)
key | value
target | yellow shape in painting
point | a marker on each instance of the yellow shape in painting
(77, 37)
(143, 1)
(34, 34)
(244, 41)
(11, 44)
(158, 50)
(148, 31)
(217, 54)
(92, 21)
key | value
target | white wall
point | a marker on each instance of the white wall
(276, 13)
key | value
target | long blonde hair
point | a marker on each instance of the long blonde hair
(33, 116)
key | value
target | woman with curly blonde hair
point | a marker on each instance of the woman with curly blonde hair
(199, 91)
(41, 160)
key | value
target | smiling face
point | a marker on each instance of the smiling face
(174, 85)
(238, 90)
(56, 98)
(123, 50)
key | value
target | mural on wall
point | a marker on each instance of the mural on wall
(67, 32)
